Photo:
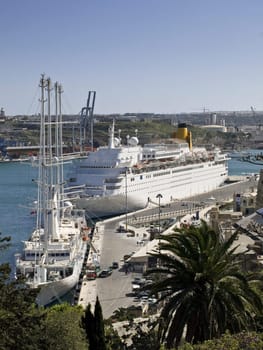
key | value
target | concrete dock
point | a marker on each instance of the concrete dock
(109, 246)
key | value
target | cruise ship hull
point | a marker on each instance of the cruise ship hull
(180, 182)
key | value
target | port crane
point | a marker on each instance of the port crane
(86, 121)
(257, 123)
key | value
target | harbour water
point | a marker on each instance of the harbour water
(18, 193)
(239, 167)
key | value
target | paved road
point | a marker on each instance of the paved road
(112, 290)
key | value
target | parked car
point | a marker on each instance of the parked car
(152, 300)
(131, 234)
(140, 281)
(126, 257)
(121, 229)
(91, 275)
(136, 288)
(105, 273)
(115, 265)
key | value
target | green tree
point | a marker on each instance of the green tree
(93, 325)
(99, 326)
(112, 339)
(203, 290)
(24, 326)
(240, 341)
(145, 337)
(4, 242)
(19, 317)
(88, 324)
(61, 328)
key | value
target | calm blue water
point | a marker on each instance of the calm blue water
(237, 167)
(18, 192)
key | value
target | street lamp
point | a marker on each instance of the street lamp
(126, 201)
(159, 196)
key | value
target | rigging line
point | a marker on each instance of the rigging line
(66, 103)
(33, 101)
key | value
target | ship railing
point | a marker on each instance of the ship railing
(151, 166)
(163, 215)
(73, 192)
(94, 187)
(75, 155)
(113, 180)
(75, 188)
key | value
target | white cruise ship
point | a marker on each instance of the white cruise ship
(123, 178)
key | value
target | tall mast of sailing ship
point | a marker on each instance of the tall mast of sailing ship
(42, 142)
(50, 214)
(50, 194)
(59, 144)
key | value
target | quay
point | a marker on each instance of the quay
(13, 153)
(108, 245)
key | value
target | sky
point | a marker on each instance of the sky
(140, 56)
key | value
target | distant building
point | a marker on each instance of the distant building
(245, 202)
(227, 222)
(231, 129)
(222, 221)
(2, 116)
(222, 122)
(259, 200)
(215, 128)
(213, 119)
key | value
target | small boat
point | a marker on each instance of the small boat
(256, 158)
(53, 256)
(238, 154)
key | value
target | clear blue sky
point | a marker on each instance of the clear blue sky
(161, 56)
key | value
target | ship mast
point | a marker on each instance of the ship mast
(41, 156)
(111, 135)
(50, 172)
(59, 143)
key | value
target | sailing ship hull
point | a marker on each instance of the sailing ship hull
(51, 292)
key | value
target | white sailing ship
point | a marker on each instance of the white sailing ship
(122, 178)
(53, 256)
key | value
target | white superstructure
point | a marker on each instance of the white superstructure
(53, 256)
(120, 178)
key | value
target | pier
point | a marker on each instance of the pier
(108, 244)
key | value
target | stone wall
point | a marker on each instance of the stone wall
(259, 200)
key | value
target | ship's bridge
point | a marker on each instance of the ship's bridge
(114, 157)
(157, 151)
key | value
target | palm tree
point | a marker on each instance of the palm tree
(201, 285)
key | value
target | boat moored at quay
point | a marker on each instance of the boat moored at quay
(53, 256)
(121, 178)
